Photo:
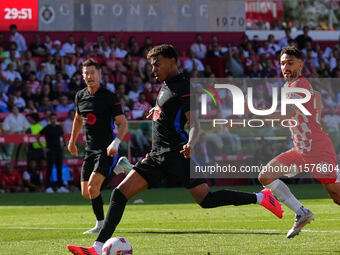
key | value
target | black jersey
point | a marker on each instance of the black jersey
(98, 111)
(172, 103)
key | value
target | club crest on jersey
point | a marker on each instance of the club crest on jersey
(91, 118)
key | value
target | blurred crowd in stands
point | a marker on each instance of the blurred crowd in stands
(44, 76)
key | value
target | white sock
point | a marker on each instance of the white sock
(98, 246)
(283, 194)
(259, 198)
(117, 169)
(99, 223)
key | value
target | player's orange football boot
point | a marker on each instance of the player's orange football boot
(77, 250)
(271, 203)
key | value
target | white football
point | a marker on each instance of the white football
(117, 246)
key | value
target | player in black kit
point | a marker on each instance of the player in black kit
(98, 108)
(170, 155)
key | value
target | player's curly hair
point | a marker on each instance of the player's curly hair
(90, 62)
(292, 51)
(165, 50)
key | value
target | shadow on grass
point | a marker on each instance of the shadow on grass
(205, 232)
(152, 197)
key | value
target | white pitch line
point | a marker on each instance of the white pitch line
(178, 230)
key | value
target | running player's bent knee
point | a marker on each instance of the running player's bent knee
(117, 196)
(262, 178)
(93, 190)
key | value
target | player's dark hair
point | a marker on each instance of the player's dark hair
(292, 51)
(165, 50)
(13, 26)
(90, 62)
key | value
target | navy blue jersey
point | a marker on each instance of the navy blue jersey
(98, 111)
(172, 103)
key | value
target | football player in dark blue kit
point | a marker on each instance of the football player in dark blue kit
(170, 155)
(98, 109)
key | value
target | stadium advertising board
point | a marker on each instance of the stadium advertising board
(23, 13)
(146, 15)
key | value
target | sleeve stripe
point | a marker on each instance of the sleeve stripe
(186, 95)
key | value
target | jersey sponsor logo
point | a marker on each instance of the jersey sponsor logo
(156, 113)
(91, 119)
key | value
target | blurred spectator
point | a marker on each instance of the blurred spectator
(46, 120)
(26, 71)
(15, 122)
(35, 150)
(56, 48)
(121, 93)
(112, 61)
(12, 59)
(215, 51)
(141, 107)
(193, 63)
(267, 50)
(59, 63)
(30, 107)
(147, 45)
(59, 79)
(272, 43)
(18, 100)
(112, 42)
(33, 83)
(28, 59)
(37, 48)
(50, 66)
(135, 89)
(234, 63)
(69, 47)
(199, 47)
(54, 152)
(10, 74)
(48, 42)
(18, 38)
(70, 67)
(11, 179)
(64, 105)
(120, 50)
(12, 48)
(303, 38)
(76, 82)
(134, 50)
(33, 178)
(104, 49)
(85, 44)
(3, 102)
(284, 40)
(107, 84)
(45, 104)
(68, 123)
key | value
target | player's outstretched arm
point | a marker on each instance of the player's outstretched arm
(188, 148)
(122, 124)
(76, 128)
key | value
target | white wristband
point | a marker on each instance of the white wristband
(115, 144)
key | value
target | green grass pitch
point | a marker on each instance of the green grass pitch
(169, 222)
